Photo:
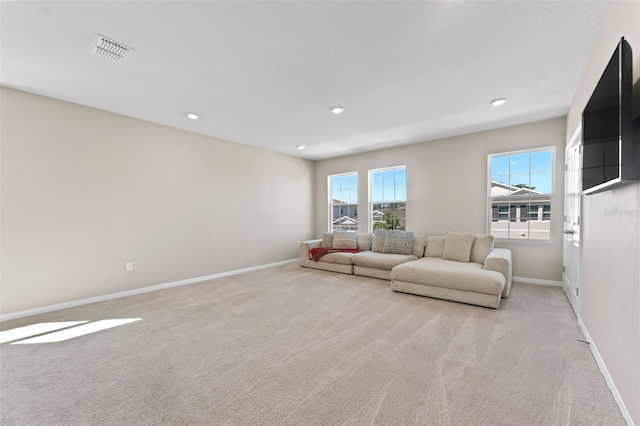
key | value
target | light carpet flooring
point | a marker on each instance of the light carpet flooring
(295, 346)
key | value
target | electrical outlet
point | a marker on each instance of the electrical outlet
(128, 266)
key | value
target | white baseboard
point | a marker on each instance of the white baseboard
(537, 281)
(605, 373)
(74, 303)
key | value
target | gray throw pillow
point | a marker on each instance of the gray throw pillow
(327, 240)
(398, 242)
(458, 246)
(379, 235)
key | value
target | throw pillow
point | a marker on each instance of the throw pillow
(435, 246)
(481, 247)
(379, 235)
(398, 242)
(344, 240)
(365, 241)
(327, 240)
(458, 246)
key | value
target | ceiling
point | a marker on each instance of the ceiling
(267, 73)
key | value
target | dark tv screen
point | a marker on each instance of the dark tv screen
(606, 123)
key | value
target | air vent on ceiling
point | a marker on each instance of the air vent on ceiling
(109, 48)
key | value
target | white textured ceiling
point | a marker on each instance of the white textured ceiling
(266, 73)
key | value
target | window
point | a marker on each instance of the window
(388, 198)
(521, 194)
(343, 202)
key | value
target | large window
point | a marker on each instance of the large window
(343, 202)
(521, 194)
(388, 198)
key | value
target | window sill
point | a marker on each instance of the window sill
(503, 241)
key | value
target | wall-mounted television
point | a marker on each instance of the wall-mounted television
(611, 151)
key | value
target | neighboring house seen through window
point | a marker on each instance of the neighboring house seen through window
(521, 194)
(343, 202)
(388, 198)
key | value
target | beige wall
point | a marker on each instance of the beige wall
(84, 191)
(610, 298)
(447, 187)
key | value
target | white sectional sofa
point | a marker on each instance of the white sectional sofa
(459, 267)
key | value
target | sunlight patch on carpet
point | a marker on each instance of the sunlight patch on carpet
(34, 330)
(81, 330)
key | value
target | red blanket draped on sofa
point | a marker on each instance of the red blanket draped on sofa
(317, 253)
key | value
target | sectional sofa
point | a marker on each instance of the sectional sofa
(459, 267)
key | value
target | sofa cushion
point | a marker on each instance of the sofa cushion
(344, 240)
(371, 259)
(457, 246)
(327, 240)
(365, 241)
(450, 274)
(435, 246)
(481, 247)
(339, 258)
(419, 243)
(398, 242)
(379, 236)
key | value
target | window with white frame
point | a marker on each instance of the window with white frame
(520, 192)
(343, 202)
(388, 198)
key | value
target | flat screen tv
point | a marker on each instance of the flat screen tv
(611, 155)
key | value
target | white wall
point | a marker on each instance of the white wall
(84, 191)
(447, 187)
(610, 301)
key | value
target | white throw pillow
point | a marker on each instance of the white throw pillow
(458, 246)
(345, 240)
(435, 246)
(482, 246)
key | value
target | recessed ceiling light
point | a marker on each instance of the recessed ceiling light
(301, 147)
(498, 102)
(192, 116)
(337, 109)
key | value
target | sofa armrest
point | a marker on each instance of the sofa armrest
(305, 247)
(500, 260)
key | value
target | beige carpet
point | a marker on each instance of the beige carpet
(295, 346)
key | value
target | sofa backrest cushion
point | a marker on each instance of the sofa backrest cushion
(482, 246)
(419, 243)
(458, 246)
(398, 242)
(344, 240)
(327, 240)
(435, 246)
(379, 235)
(365, 241)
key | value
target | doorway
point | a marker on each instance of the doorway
(572, 206)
